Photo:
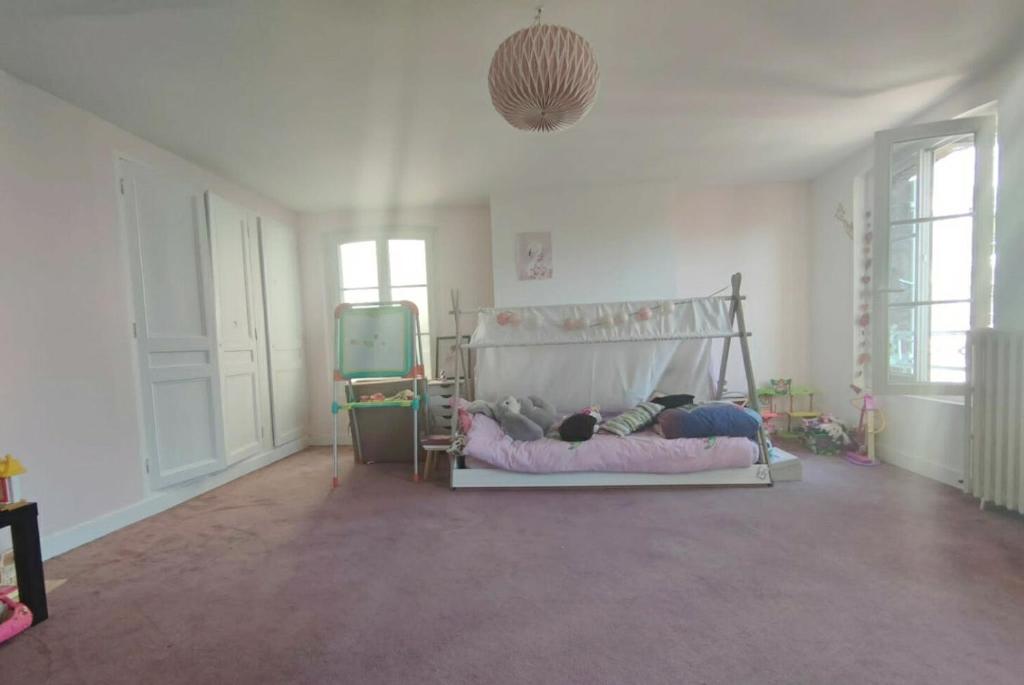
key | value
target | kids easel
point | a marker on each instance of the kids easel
(376, 340)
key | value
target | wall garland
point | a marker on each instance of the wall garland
(863, 322)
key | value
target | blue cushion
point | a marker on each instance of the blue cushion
(709, 420)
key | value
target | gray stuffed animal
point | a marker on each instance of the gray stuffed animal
(522, 419)
(481, 407)
(539, 411)
(516, 424)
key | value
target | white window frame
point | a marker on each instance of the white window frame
(984, 130)
(332, 272)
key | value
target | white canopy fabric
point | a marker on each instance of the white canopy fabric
(642, 347)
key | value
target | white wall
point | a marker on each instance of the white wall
(461, 259)
(1009, 293)
(655, 240)
(67, 384)
(924, 435)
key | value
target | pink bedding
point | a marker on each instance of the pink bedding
(644, 452)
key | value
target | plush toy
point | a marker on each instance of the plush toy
(515, 424)
(521, 418)
(580, 426)
(539, 411)
(577, 428)
(480, 407)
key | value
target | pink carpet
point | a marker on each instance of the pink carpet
(853, 576)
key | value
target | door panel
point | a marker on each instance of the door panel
(239, 323)
(169, 243)
(281, 276)
(241, 418)
(166, 232)
(184, 425)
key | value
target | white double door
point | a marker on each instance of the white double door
(241, 329)
(218, 326)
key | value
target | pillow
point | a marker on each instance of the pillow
(726, 420)
(637, 418)
(673, 401)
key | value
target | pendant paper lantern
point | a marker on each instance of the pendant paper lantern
(543, 78)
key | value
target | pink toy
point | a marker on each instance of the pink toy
(20, 618)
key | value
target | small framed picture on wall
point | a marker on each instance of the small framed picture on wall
(444, 357)
(533, 256)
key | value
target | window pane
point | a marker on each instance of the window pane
(930, 260)
(904, 183)
(947, 358)
(931, 177)
(360, 296)
(358, 263)
(428, 362)
(950, 318)
(951, 259)
(417, 296)
(953, 177)
(408, 259)
(926, 342)
(903, 260)
(902, 349)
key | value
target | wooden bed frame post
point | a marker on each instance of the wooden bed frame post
(748, 367)
(727, 342)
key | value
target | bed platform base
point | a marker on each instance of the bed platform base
(758, 474)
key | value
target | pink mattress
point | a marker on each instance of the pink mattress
(644, 452)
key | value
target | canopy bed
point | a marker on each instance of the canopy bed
(614, 355)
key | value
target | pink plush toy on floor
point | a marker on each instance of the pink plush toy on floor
(19, 616)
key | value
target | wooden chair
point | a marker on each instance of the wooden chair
(432, 445)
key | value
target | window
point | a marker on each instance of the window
(385, 270)
(933, 252)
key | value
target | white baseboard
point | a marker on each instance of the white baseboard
(922, 467)
(69, 538)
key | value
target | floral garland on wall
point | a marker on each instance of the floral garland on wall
(862, 363)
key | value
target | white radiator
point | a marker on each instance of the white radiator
(995, 463)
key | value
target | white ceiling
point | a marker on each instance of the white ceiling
(322, 104)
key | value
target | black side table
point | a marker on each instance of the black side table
(28, 557)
